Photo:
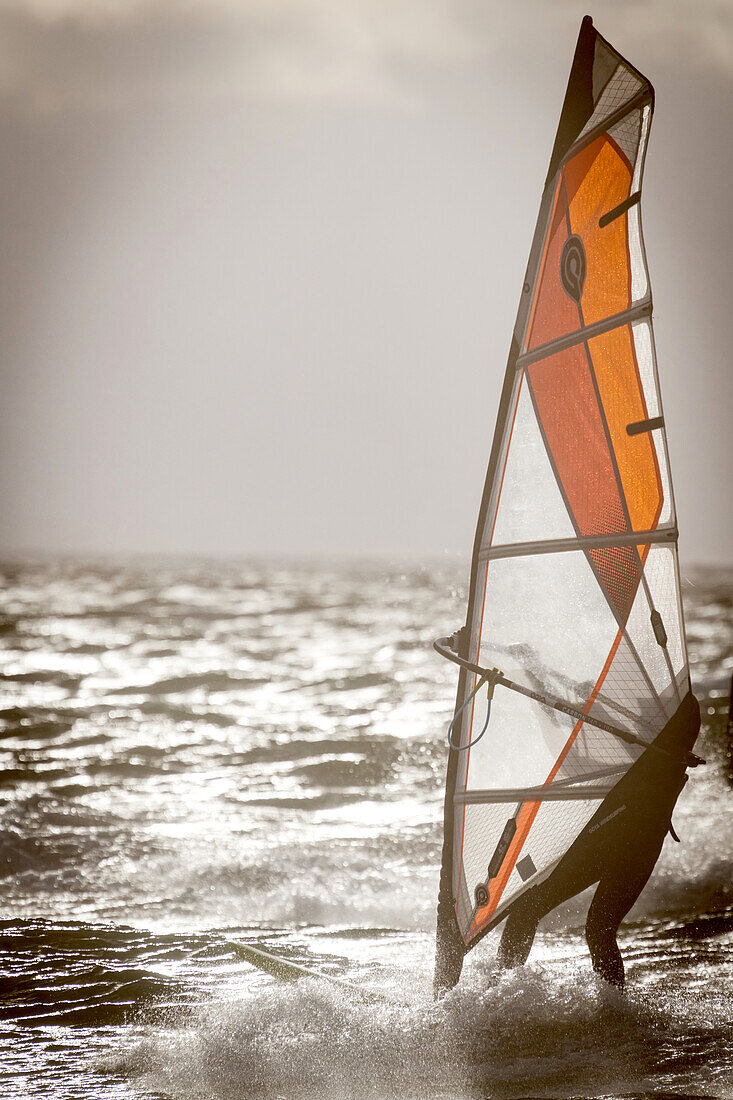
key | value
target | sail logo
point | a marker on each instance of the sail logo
(610, 817)
(573, 267)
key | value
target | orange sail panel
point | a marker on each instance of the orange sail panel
(575, 431)
(554, 312)
(598, 179)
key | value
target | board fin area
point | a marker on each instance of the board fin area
(286, 971)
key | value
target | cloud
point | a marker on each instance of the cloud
(56, 54)
(66, 54)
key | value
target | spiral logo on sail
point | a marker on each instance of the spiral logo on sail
(573, 267)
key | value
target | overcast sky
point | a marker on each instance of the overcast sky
(261, 261)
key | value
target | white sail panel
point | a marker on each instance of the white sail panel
(553, 830)
(628, 695)
(642, 331)
(646, 120)
(639, 277)
(660, 571)
(547, 622)
(525, 742)
(594, 750)
(654, 659)
(627, 135)
(646, 364)
(637, 256)
(481, 827)
(541, 513)
(620, 89)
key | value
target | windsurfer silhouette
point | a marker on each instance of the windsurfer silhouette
(617, 849)
(574, 574)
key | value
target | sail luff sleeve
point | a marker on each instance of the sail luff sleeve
(574, 590)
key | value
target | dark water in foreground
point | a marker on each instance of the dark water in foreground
(194, 752)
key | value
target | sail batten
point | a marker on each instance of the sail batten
(557, 546)
(533, 794)
(574, 589)
(587, 332)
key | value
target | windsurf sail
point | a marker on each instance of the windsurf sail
(574, 611)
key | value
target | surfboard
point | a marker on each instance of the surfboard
(286, 971)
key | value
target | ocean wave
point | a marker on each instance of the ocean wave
(256, 748)
(498, 1035)
(200, 681)
(85, 975)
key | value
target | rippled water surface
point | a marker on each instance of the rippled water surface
(196, 752)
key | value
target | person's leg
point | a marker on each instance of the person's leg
(519, 931)
(567, 880)
(618, 889)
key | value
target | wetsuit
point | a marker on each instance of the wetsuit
(617, 849)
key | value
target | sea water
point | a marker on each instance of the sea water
(195, 752)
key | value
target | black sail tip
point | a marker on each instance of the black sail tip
(578, 103)
(593, 65)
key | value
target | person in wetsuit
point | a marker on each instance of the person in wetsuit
(618, 849)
